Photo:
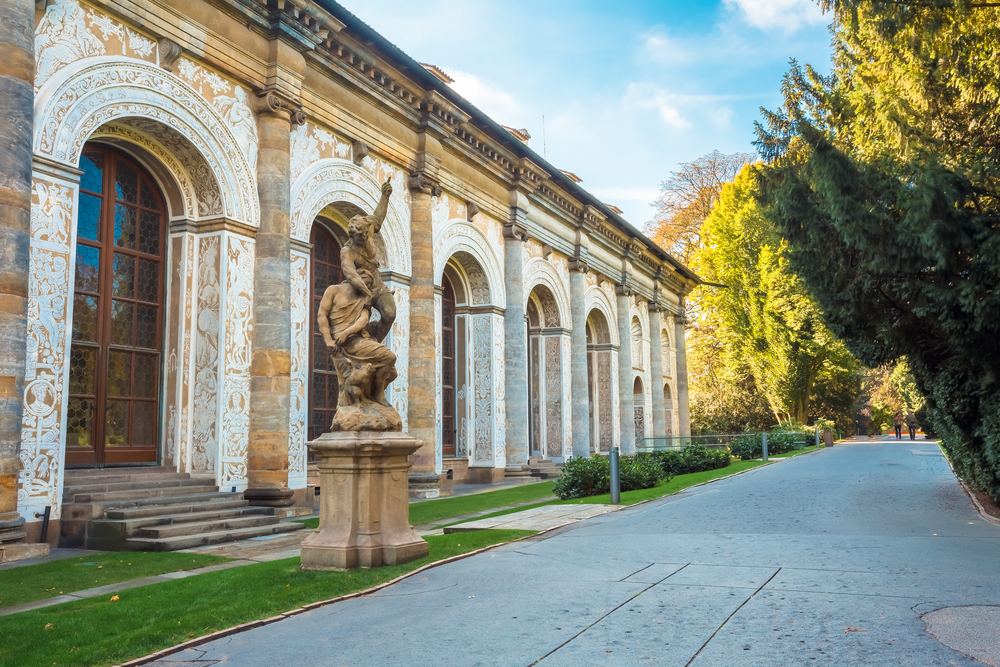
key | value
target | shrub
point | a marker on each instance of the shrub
(747, 446)
(583, 477)
(693, 458)
(783, 438)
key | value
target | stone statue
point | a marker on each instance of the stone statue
(365, 366)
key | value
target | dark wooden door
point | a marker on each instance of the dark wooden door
(447, 369)
(115, 355)
(323, 387)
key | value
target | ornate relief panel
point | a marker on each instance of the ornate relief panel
(567, 397)
(438, 399)
(298, 408)
(90, 94)
(43, 440)
(553, 397)
(311, 143)
(482, 388)
(235, 367)
(605, 403)
(499, 394)
(399, 342)
(206, 327)
(68, 32)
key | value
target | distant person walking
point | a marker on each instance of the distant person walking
(911, 424)
(898, 419)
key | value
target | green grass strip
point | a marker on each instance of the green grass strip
(47, 580)
(445, 508)
(99, 631)
(795, 452)
(678, 483)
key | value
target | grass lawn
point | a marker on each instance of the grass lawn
(678, 483)
(794, 452)
(47, 580)
(101, 631)
(445, 508)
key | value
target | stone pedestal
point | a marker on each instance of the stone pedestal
(364, 517)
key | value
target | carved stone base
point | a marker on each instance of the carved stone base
(12, 552)
(517, 471)
(269, 497)
(364, 515)
(11, 528)
(366, 417)
(427, 485)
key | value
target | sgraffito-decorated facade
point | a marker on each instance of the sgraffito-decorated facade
(193, 166)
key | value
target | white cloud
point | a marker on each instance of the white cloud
(787, 15)
(650, 96)
(498, 104)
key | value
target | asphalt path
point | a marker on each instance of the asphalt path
(829, 558)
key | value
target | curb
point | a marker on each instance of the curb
(205, 639)
(975, 501)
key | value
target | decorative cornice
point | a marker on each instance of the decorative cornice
(359, 150)
(471, 209)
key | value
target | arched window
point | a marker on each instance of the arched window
(640, 414)
(447, 369)
(116, 350)
(325, 268)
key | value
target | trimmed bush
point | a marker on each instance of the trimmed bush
(583, 477)
(780, 440)
(693, 458)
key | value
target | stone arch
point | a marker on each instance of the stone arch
(597, 299)
(125, 93)
(598, 329)
(539, 272)
(461, 239)
(666, 345)
(339, 183)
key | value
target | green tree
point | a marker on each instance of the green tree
(884, 178)
(771, 337)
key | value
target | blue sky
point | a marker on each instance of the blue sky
(629, 89)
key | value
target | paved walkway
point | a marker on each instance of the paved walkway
(827, 559)
(538, 518)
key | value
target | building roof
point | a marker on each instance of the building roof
(521, 135)
(573, 177)
(438, 72)
(519, 148)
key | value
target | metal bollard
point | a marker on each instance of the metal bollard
(817, 436)
(764, 446)
(616, 487)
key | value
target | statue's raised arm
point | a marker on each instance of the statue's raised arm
(382, 208)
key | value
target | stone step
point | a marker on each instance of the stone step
(207, 527)
(177, 509)
(204, 539)
(141, 494)
(76, 476)
(130, 485)
(130, 526)
(543, 468)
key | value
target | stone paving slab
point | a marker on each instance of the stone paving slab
(538, 518)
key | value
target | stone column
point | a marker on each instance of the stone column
(626, 402)
(578, 361)
(422, 376)
(270, 366)
(17, 72)
(656, 372)
(683, 410)
(516, 342)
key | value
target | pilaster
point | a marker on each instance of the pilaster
(17, 72)
(270, 368)
(515, 338)
(578, 348)
(626, 402)
(683, 409)
(656, 371)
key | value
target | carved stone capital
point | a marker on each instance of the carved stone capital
(516, 232)
(419, 182)
(577, 264)
(621, 289)
(170, 51)
(268, 103)
(359, 151)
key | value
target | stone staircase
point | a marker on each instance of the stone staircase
(543, 468)
(157, 509)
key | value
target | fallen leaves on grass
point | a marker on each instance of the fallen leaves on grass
(114, 598)
(48, 626)
(851, 628)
